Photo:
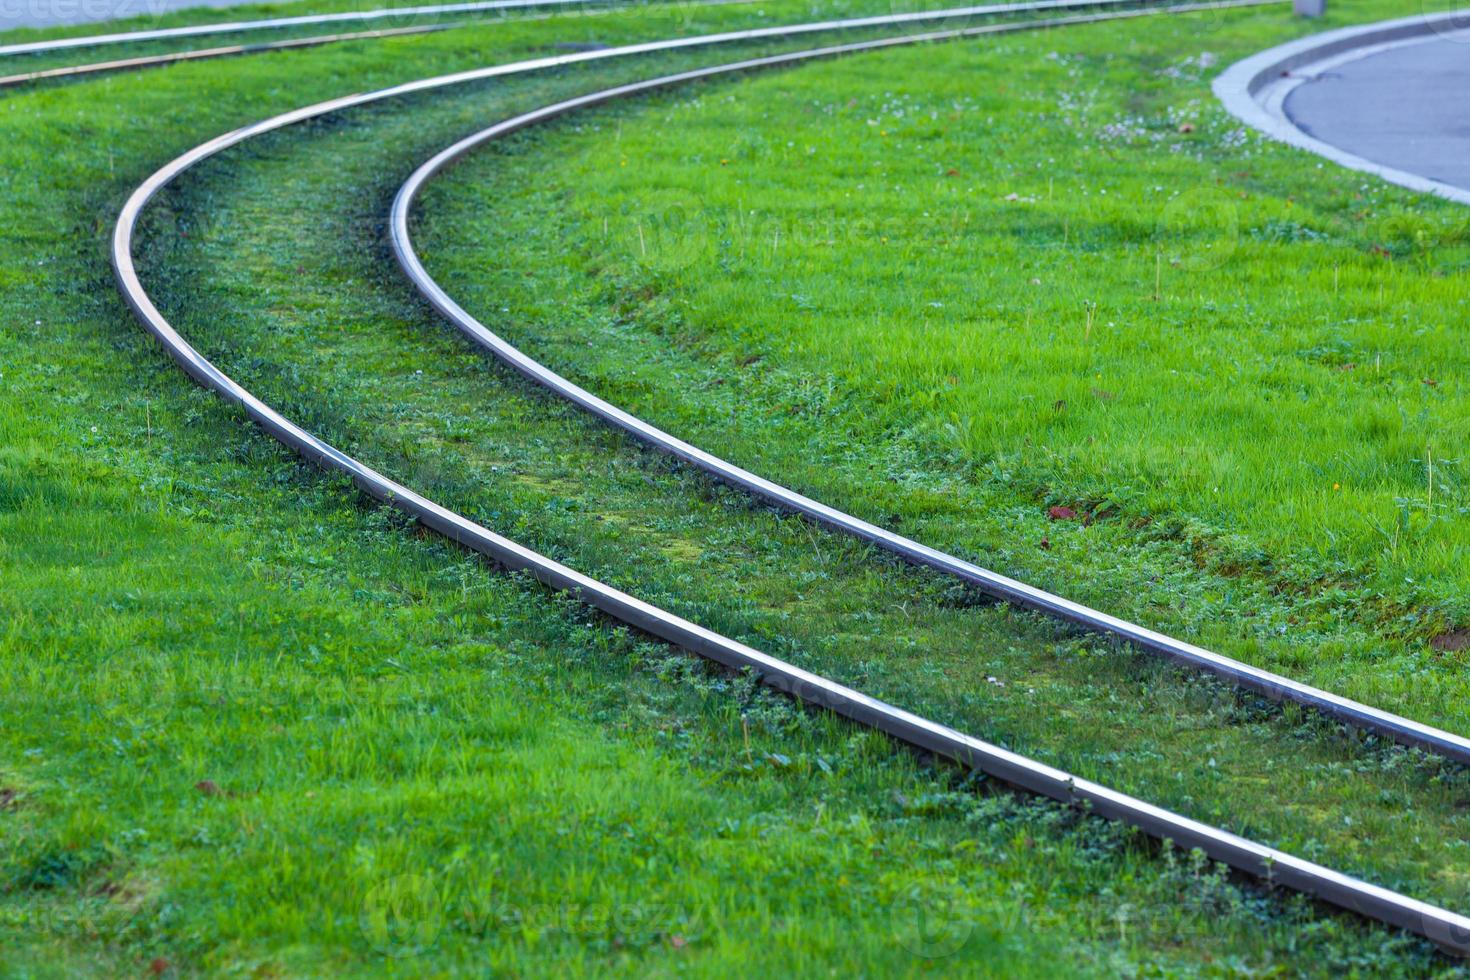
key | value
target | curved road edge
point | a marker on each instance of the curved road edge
(1254, 90)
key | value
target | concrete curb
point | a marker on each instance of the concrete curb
(1255, 89)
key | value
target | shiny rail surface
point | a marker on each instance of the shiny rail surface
(1274, 686)
(204, 54)
(613, 6)
(311, 20)
(235, 50)
(1448, 929)
(276, 23)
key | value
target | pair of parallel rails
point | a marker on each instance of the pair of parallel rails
(1448, 929)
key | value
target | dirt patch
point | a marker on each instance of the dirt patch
(1452, 641)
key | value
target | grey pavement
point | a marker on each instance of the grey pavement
(1407, 108)
(49, 13)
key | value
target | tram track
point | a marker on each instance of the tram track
(547, 8)
(553, 7)
(206, 54)
(1272, 685)
(277, 23)
(1446, 928)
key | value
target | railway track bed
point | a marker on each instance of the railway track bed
(461, 469)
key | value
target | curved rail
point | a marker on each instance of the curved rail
(1448, 929)
(308, 20)
(1272, 685)
(179, 57)
(276, 23)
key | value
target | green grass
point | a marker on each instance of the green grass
(1044, 284)
(1024, 287)
(395, 728)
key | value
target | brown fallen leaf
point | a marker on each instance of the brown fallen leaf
(1430, 382)
(209, 787)
(159, 966)
(1102, 394)
(1045, 544)
(1060, 513)
(7, 798)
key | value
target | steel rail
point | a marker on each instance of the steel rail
(308, 20)
(1272, 685)
(37, 47)
(277, 23)
(179, 57)
(1448, 929)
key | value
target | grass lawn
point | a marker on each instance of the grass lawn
(1081, 284)
(252, 725)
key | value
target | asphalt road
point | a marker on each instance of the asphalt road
(44, 13)
(1407, 108)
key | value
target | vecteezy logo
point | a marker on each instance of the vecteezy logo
(1450, 21)
(138, 690)
(665, 234)
(922, 24)
(1199, 230)
(931, 926)
(1450, 932)
(402, 916)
